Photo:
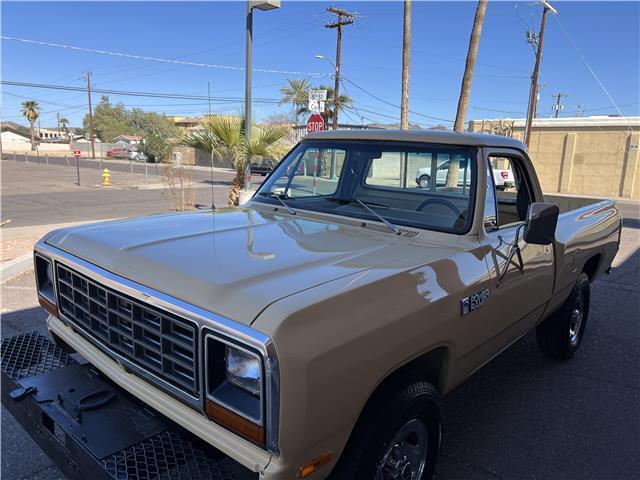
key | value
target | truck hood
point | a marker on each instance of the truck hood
(234, 262)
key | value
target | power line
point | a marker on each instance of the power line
(133, 93)
(158, 59)
(582, 57)
(394, 105)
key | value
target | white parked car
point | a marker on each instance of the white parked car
(503, 178)
(136, 156)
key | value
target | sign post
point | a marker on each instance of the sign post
(76, 153)
(317, 99)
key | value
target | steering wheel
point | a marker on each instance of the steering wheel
(440, 201)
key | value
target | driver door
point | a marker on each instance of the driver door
(522, 287)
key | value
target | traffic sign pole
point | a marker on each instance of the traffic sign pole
(76, 153)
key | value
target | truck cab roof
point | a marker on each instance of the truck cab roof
(425, 136)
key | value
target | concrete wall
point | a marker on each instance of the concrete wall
(584, 158)
(25, 147)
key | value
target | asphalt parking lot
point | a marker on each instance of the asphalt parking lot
(39, 194)
(522, 416)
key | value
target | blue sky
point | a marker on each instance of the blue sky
(607, 33)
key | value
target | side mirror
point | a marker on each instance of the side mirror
(540, 228)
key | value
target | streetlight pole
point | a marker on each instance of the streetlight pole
(260, 5)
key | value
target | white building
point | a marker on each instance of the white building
(128, 139)
(13, 135)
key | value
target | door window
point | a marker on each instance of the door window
(513, 195)
(490, 210)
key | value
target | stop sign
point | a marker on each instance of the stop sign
(315, 123)
(76, 153)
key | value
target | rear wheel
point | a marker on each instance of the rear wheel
(561, 334)
(397, 437)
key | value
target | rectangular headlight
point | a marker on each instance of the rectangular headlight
(45, 283)
(242, 387)
(234, 387)
(244, 370)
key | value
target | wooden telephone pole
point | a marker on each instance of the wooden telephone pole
(533, 94)
(344, 18)
(93, 146)
(558, 107)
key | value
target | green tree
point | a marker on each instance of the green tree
(223, 137)
(31, 111)
(159, 134)
(296, 93)
(109, 120)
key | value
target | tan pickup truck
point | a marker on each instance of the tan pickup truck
(312, 332)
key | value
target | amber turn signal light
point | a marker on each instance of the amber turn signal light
(315, 464)
(234, 422)
(48, 306)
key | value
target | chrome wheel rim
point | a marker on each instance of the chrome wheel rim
(405, 457)
(424, 182)
(577, 315)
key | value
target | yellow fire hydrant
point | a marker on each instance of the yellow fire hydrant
(106, 178)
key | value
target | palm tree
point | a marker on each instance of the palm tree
(222, 136)
(343, 101)
(465, 88)
(31, 111)
(64, 123)
(297, 93)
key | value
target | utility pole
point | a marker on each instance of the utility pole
(344, 18)
(58, 117)
(580, 110)
(557, 107)
(533, 93)
(93, 146)
(406, 61)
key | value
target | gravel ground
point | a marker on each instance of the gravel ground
(10, 249)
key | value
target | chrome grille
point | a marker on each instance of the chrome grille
(156, 341)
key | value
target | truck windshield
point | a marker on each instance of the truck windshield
(416, 185)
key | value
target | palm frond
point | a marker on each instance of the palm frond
(267, 141)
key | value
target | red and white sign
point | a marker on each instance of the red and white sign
(76, 153)
(315, 123)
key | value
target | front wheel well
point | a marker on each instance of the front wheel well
(430, 367)
(591, 267)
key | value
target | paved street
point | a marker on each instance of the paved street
(39, 194)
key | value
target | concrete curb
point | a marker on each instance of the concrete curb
(15, 267)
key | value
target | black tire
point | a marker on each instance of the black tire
(424, 181)
(561, 334)
(384, 418)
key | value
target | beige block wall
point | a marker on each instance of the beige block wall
(602, 161)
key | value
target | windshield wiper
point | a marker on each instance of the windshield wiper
(391, 226)
(280, 197)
